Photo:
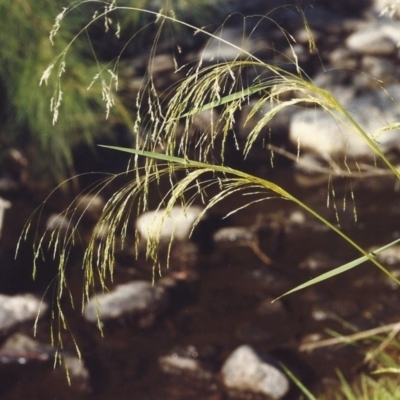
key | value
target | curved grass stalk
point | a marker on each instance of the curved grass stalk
(192, 94)
(242, 180)
(205, 89)
(221, 90)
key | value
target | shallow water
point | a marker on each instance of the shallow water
(231, 305)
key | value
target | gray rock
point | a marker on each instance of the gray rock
(371, 41)
(9, 185)
(4, 205)
(138, 299)
(245, 371)
(19, 348)
(318, 132)
(391, 29)
(176, 364)
(90, 206)
(184, 360)
(379, 37)
(20, 308)
(390, 256)
(234, 235)
(386, 71)
(390, 8)
(77, 371)
(15, 166)
(161, 225)
(59, 223)
(232, 43)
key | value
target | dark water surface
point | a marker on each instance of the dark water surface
(230, 305)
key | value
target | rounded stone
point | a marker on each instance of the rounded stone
(244, 370)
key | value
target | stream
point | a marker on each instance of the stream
(226, 305)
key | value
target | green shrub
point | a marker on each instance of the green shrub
(25, 117)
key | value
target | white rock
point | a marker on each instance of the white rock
(139, 299)
(19, 348)
(392, 30)
(58, 222)
(90, 206)
(160, 225)
(176, 362)
(235, 235)
(390, 256)
(319, 132)
(184, 360)
(20, 308)
(245, 371)
(4, 205)
(371, 41)
(76, 368)
(230, 44)
(387, 7)
(381, 36)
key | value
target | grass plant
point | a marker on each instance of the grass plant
(26, 51)
(193, 164)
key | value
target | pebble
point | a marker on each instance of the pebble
(390, 256)
(21, 349)
(371, 42)
(390, 8)
(90, 206)
(184, 360)
(59, 223)
(318, 132)
(159, 224)
(245, 371)
(19, 308)
(4, 205)
(139, 299)
(77, 372)
(219, 50)
(235, 235)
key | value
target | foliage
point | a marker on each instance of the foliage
(24, 117)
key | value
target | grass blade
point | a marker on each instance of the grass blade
(227, 99)
(339, 270)
(297, 382)
(281, 192)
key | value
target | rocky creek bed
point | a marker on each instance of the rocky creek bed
(177, 339)
(189, 335)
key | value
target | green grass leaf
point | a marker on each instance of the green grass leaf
(341, 269)
(228, 99)
(298, 383)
